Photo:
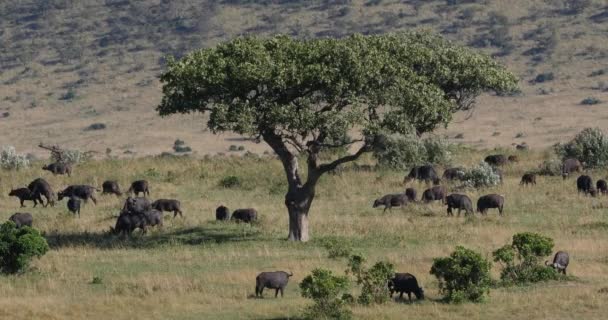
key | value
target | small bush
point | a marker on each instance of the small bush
(11, 160)
(69, 95)
(95, 126)
(373, 281)
(590, 101)
(337, 248)
(459, 136)
(97, 280)
(179, 146)
(324, 289)
(71, 157)
(241, 148)
(522, 258)
(551, 167)
(543, 77)
(402, 152)
(463, 276)
(230, 182)
(18, 246)
(589, 146)
(482, 175)
(233, 148)
(597, 73)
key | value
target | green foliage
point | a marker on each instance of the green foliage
(463, 276)
(230, 182)
(522, 258)
(71, 156)
(18, 246)
(97, 280)
(11, 160)
(324, 289)
(337, 248)
(550, 167)
(405, 151)
(589, 146)
(179, 146)
(373, 281)
(590, 101)
(482, 175)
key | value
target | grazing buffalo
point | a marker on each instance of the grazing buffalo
(411, 194)
(460, 202)
(222, 213)
(24, 194)
(272, 280)
(584, 184)
(74, 205)
(83, 192)
(170, 205)
(424, 173)
(245, 215)
(601, 186)
(496, 160)
(139, 186)
(22, 219)
(434, 193)
(59, 168)
(453, 174)
(127, 222)
(391, 200)
(405, 283)
(560, 262)
(40, 187)
(111, 187)
(490, 201)
(528, 178)
(571, 165)
(136, 205)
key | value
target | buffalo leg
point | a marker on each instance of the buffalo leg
(94, 200)
(409, 296)
(276, 292)
(22, 205)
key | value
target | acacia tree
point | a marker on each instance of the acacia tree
(307, 97)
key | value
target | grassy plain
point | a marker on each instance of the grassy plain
(196, 268)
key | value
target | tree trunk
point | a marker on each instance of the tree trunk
(298, 203)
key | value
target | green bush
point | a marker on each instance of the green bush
(373, 281)
(324, 289)
(71, 156)
(589, 101)
(404, 151)
(11, 160)
(482, 175)
(337, 248)
(589, 146)
(521, 260)
(551, 167)
(230, 182)
(18, 246)
(463, 276)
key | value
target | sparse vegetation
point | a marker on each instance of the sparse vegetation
(480, 176)
(325, 290)
(11, 160)
(589, 101)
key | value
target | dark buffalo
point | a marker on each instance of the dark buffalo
(245, 215)
(571, 165)
(170, 205)
(528, 178)
(83, 192)
(22, 219)
(40, 187)
(222, 213)
(74, 205)
(601, 186)
(424, 173)
(24, 194)
(136, 205)
(496, 159)
(127, 222)
(434, 193)
(453, 174)
(59, 168)
(391, 200)
(411, 194)
(460, 202)
(272, 280)
(584, 184)
(405, 283)
(560, 262)
(490, 201)
(139, 186)
(513, 159)
(111, 187)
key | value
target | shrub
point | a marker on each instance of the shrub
(11, 160)
(543, 77)
(179, 146)
(550, 167)
(233, 148)
(482, 175)
(71, 156)
(589, 146)
(402, 152)
(95, 126)
(337, 248)
(590, 101)
(68, 95)
(521, 259)
(373, 281)
(463, 276)
(230, 182)
(324, 289)
(18, 246)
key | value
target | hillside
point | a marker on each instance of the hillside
(65, 65)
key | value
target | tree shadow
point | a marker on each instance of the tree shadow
(207, 234)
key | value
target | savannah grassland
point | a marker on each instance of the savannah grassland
(196, 268)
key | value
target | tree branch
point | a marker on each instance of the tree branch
(289, 160)
(332, 165)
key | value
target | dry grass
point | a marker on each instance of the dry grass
(196, 268)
